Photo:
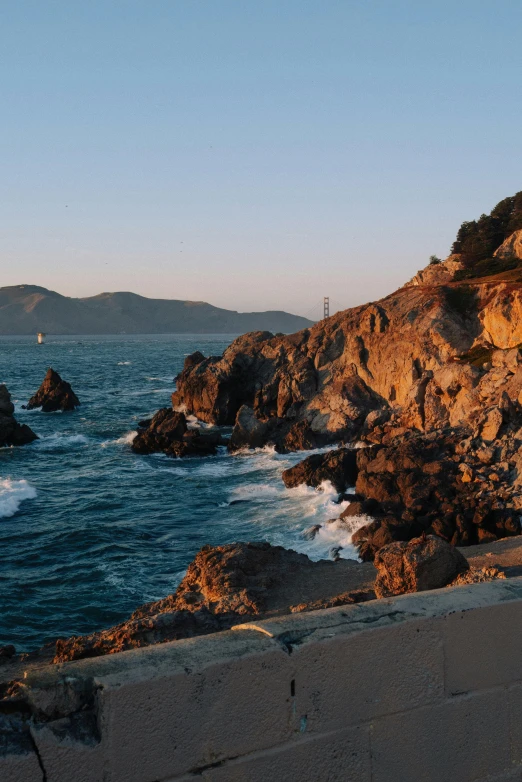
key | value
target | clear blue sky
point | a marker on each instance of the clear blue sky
(258, 154)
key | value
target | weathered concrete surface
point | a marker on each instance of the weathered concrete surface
(425, 686)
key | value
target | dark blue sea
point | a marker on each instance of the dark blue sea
(88, 529)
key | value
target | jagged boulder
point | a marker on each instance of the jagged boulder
(338, 466)
(167, 432)
(420, 564)
(54, 394)
(215, 394)
(237, 577)
(438, 273)
(11, 432)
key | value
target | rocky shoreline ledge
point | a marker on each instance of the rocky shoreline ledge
(231, 584)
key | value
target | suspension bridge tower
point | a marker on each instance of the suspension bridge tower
(326, 302)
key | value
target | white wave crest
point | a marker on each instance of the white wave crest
(12, 493)
(20, 409)
(214, 468)
(195, 423)
(61, 441)
(256, 491)
(125, 439)
(124, 363)
(333, 534)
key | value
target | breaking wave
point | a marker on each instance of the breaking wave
(125, 439)
(52, 441)
(333, 535)
(12, 494)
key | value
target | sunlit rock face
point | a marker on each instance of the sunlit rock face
(438, 273)
(511, 248)
(423, 354)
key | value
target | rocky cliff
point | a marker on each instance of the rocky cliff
(429, 355)
(430, 376)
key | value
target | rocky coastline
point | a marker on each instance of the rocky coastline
(417, 400)
(428, 380)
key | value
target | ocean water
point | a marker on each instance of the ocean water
(88, 529)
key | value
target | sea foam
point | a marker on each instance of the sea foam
(125, 439)
(57, 440)
(12, 493)
(333, 534)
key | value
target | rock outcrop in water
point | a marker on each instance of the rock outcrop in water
(438, 352)
(11, 432)
(54, 394)
(167, 432)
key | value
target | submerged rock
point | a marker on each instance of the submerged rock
(167, 432)
(11, 432)
(423, 563)
(337, 466)
(54, 394)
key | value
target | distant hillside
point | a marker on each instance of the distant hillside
(26, 309)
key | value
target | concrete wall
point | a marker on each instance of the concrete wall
(422, 687)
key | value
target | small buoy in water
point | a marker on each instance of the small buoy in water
(41, 336)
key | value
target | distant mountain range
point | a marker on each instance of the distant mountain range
(27, 309)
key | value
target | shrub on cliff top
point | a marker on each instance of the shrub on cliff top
(477, 240)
